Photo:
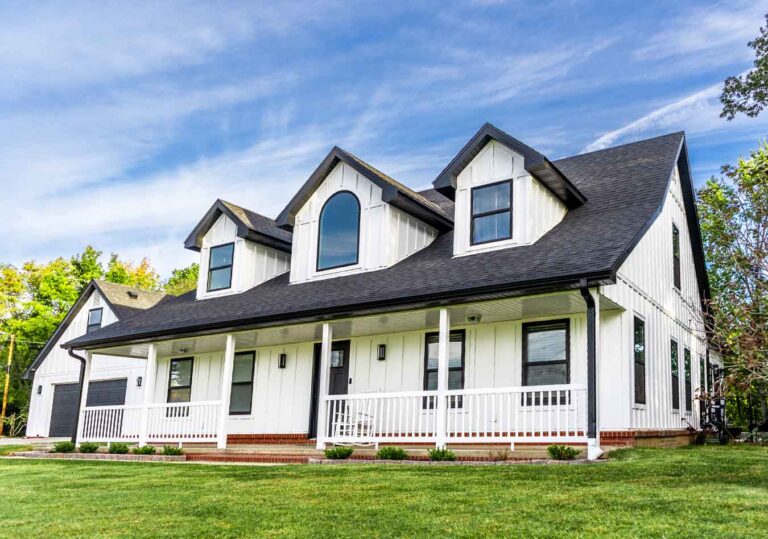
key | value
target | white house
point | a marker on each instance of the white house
(521, 301)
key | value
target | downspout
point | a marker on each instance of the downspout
(80, 392)
(593, 448)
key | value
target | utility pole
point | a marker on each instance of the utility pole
(7, 383)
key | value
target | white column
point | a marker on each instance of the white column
(226, 390)
(322, 386)
(150, 375)
(442, 377)
(83, 397)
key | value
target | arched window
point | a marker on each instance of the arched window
(339, 233)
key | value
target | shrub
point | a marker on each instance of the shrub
(562, 452)
(63, 447)
(391, 453)
(146, 450)
(441, 454)
(89, 447)
(172, 450)
(118, 449)
(499, 455)
(340, 452)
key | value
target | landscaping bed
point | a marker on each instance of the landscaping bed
(99, 456)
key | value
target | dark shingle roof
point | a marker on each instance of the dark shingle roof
(624, 186)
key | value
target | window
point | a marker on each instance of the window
(688, 389)
(492, 212)
(702, 374)
(339, 232)
(94, 319)
(676, 255)
(675, 364)
(179, 385)
(242, 384)
(639, 353)
(455, 364)
(546, 357)
(220, 267)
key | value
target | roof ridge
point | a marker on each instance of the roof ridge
(620, 145)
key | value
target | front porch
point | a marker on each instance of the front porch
(299, 386)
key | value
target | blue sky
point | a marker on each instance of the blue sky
(121, 123)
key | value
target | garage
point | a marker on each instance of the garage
(65, 402)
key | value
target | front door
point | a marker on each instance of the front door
(338, 380)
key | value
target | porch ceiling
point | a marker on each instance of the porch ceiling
(541, 306)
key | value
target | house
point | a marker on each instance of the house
(55, 375)
(520, 301)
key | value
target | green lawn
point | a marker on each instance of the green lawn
(714, 491)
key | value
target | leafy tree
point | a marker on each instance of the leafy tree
(748, 94)
(87, 266)
(182, 280)
(142, 275)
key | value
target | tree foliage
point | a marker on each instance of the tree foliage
(182, 280)
(141, 276)
(748, 94)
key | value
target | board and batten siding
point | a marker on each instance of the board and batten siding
(252, 263)
(645, 287)
(535, 210)
(387, 234)
(59, 368)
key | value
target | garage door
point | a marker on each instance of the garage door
(65, 402)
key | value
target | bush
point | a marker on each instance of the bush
(562, 452)
(146, 450)
(89, 447)
(499, 455)
(391, 453)
(63, 447)
(118, 449)
(441, 454)
(337, 453)
(170, 450)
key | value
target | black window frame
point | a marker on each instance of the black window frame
(674, 360)
(702, 374)
(180, 411)
(473, 216)
(677, 277)
(687, 358)
(249, 383)
(455, 402)
(639, 364)
(320, 230)
(93, 327)
(211, 269)
(532, 327)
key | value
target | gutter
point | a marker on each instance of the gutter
(81, 380)
(593, 447)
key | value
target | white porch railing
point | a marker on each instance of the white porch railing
(505, 415)
(166, 422)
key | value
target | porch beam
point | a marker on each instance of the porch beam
(322, 386)
(83, 396)
(226, 390)
(150, 376)
(443, 349)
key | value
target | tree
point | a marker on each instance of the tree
(748, 94)
(141, 276)
(734, 222)
(87, 266)
(182, 280)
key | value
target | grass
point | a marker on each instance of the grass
(717, 491)
(6, 450)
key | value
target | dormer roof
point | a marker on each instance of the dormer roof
(538, 165)
(393, 192)
(250, 225)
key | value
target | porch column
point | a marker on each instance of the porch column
(441, 409)
(322, 385)
(83, 397)
(150, 375)
(226, 390)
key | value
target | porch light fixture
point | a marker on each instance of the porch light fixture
(281, 360)
(473, 318)
(139, 379)
(382, 352)
(39, 390)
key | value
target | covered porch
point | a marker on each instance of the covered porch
(459, 374)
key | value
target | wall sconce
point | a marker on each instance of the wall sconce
(281, 359)
(139, 379)
(39, 390)
(382, 352)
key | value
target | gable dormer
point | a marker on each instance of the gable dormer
(350, 218)
(506, 194)
(239, 249)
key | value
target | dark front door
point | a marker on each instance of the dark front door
(338, 382)
(64, 410)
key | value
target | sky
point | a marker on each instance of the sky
(122, 122)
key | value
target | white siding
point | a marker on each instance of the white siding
(535, 210)
(59, 368)
(387, 235)
(252, 263)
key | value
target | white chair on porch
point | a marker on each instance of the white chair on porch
(354, 425)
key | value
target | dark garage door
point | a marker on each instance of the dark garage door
(104, 393)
